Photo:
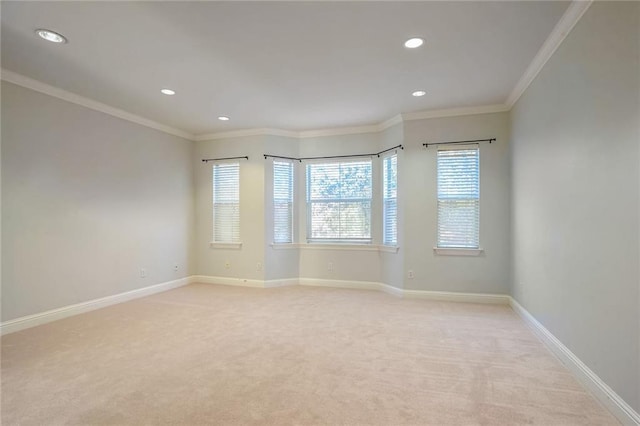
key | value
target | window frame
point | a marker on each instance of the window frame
(451, 249)
(292, 201)
(233, 243)
(384, 198)
(308, 203)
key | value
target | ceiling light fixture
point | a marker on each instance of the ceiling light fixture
(412, 43)
(223, 118)
(51, 36)
(168, 92)
(419, 93)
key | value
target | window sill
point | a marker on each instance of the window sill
(458, 251)
(217, 245)
(333, 246)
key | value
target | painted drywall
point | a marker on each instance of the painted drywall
(348, 265)
(392, 264)
(489, 272)
(247, 261)
(281, 262)
(87, 201)
(417, 207)
(575, 192)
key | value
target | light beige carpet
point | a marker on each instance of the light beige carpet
(205, 354)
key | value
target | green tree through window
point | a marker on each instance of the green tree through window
(339, 201)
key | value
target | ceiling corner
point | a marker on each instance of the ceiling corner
(569, 19)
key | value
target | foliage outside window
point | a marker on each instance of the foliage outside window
(339, 201)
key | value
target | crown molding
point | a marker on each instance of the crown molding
(567, 22)
(396, 119)
(304, 134)
(571, 16)
(454, 112)
(374, 128)
(38, 86)
(246, 133)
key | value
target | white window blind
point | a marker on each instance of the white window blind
(226, 202)
(390, 200)
(282, 202)
(458, 198)
(339, 201)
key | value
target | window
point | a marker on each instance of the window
(282, 202)
(339, 201)
(226, 203)
(390, 200)
(458, 198)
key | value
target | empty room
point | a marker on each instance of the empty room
(320, 213)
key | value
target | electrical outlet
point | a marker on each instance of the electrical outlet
(330, 266)
(175, 267)
(143, 273)
(227, 264)
(258, 266)
(410, 274)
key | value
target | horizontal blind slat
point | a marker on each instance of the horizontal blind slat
(282, 202)
(339, 200)
(389, 200)
(226, 202)
(458, 198)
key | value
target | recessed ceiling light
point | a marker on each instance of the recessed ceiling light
(419, 93)
(412, 43)
(51, 36)
(168, 92)
(223, 118)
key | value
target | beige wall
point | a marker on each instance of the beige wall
(243, 261)
(88, 200)
(576, 191)
(417, 210)
(488, 273)
(279, 263)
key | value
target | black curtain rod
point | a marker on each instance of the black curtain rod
(459, 142)
(206, 160)
(280, 156)
(334, 156)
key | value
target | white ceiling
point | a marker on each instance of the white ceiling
(287, 65)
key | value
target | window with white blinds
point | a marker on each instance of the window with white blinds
(390, 200)
(282, 201)
(458, 198)
(226, 203)
(339, 201)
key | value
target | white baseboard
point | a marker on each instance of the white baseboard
(360, 285)
(67, 311)
(281, 283)
(239, 282)
(450, 296)
(589, 379)
(498, 299)
(606, 395)
(29, 321)
(389, 289)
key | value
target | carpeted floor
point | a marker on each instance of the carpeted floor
(206, 354)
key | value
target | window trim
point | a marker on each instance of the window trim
(293, 201)
(355, 242)
(452, 250)
(382, 200)
(336, 246)
(442, 251)
(224, 244)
